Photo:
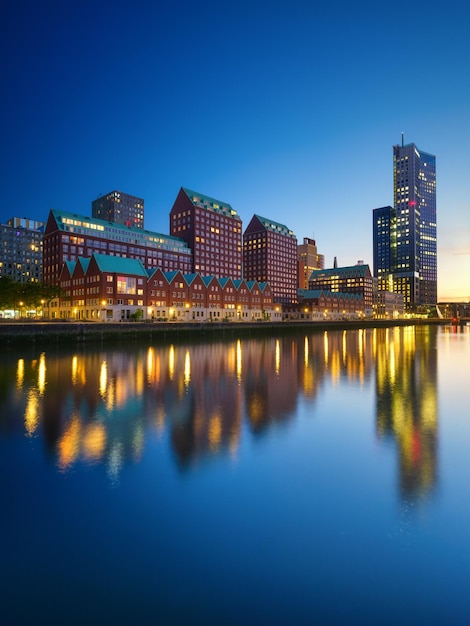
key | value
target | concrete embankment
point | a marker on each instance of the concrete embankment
(17, 333)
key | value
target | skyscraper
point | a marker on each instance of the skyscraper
(120, 208)
(405, 235)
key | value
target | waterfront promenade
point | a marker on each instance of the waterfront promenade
(60, 332)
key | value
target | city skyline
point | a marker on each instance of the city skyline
(285, 111)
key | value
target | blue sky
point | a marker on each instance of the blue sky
(283, 109)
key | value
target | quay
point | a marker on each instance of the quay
(59, 332)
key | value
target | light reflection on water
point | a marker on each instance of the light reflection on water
(101, 404)
(322, 432)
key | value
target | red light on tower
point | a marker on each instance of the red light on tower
(413, 203)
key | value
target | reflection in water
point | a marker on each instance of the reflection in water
(100, 406)
(406, 379)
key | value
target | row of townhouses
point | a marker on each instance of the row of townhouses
(105, 288)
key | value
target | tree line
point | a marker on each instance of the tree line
(31, 295)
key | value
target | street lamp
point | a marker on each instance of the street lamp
(103, 304)
(21, 306)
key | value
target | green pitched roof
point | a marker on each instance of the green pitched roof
(275, 227)
(351, 270)
(210, 203)
(84, 262)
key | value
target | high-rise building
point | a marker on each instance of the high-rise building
(120, 208)
(384, 247)
(270, 254)
(405, 235)
(308, 261)
(213, 231)
(21, 249)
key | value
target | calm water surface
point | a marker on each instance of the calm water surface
(315, 479)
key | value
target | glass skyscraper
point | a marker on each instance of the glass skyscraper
(405, 236)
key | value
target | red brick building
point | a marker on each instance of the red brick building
(116, 289)
(270, 255)
(213, 231)
(69, 236)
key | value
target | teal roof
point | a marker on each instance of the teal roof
(208, 279)
(82, 224)
(312, 294)
(275, 227)
(352, 270)
(70, 266)
(200, 199)
(84, 262)
(170, 275)
(309, 294)
(189, 278)
(118, 264)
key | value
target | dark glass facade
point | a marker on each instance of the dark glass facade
(405, 235)
(119, 207)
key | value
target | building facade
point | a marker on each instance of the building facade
(114, 289)
(120, 208)
(319, 305)
(21, 249)
(213, 231)
(68, 236)
(388, 305)
(308, 260)
(355, 279)
(405, 235)
(270, 255)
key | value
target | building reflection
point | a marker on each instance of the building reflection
(406, 382)
(104, 406)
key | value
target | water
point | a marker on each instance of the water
(316, 479)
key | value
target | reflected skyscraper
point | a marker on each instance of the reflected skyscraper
(407, 403)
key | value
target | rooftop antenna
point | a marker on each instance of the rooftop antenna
(402, 139)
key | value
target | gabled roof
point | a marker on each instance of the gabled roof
(170, 275)
(208, 279)
(200, 199)
(117, 264)
(190, 278)
(223, 281)
(311, 294)
(70, 266)
(84, 262)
